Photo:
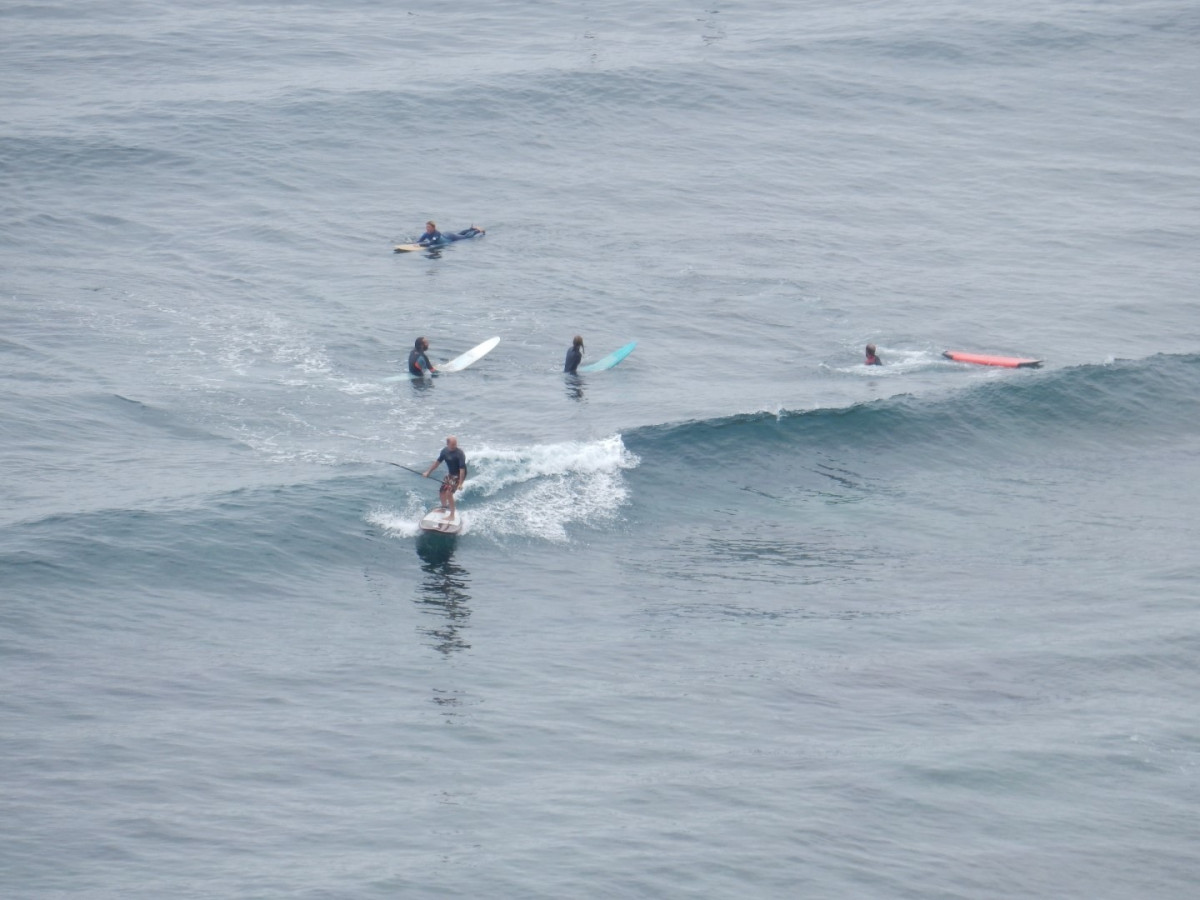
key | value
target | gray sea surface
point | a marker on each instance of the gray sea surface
(740, 617)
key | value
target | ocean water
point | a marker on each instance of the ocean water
(740, 617)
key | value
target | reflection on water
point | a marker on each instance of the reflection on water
(442, 593)
(574, 386)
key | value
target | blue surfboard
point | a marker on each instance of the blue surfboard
(609, 361)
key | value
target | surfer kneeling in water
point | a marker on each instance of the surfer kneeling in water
(574, 355)
(456, 472)
(872, 359)
(418, 358)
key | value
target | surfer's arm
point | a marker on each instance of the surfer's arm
(431, 468)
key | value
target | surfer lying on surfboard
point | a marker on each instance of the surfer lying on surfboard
(432, 237)
(456, 472)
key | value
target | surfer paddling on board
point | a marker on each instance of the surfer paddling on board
(872, 359)
(419, 357)
(574, 356)
(456, 472)
(432, 237)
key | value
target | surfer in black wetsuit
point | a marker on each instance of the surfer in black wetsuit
(872, 359)
(431, 236)
(574, 356)
(418, 358)
(456, 472)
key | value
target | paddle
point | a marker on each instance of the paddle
(398, 466)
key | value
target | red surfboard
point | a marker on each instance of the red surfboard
(982, 359)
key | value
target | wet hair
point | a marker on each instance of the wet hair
(419, 343)
(432, 225)
(578, 342)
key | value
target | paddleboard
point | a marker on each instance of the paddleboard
(439, 521)
(457, 364)
(609, 361)
(982, 359)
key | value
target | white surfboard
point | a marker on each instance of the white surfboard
(471, 357)
(459, 363)
(439, 521)
(410, 248)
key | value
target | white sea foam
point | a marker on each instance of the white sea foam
(402, 522)
(531, 491)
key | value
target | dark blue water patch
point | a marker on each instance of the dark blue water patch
(1025, 413)
(123, 411)
(959, 43)
(105, 423)
(38, 11)
(1179, 21)
(268, 542)
(567, 99)
(737, 556)
(562, 109)
(57, 159)
(22, 362)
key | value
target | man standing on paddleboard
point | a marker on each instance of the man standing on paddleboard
(456, 472)
(418, 358)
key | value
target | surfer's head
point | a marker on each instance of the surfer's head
(451, 441)
(421, 344)
(431, 226)
(870, 349)
(578, 342)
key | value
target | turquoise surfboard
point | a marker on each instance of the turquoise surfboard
(609, 361)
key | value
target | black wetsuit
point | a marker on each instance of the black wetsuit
(574, 358)
(415, 360)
